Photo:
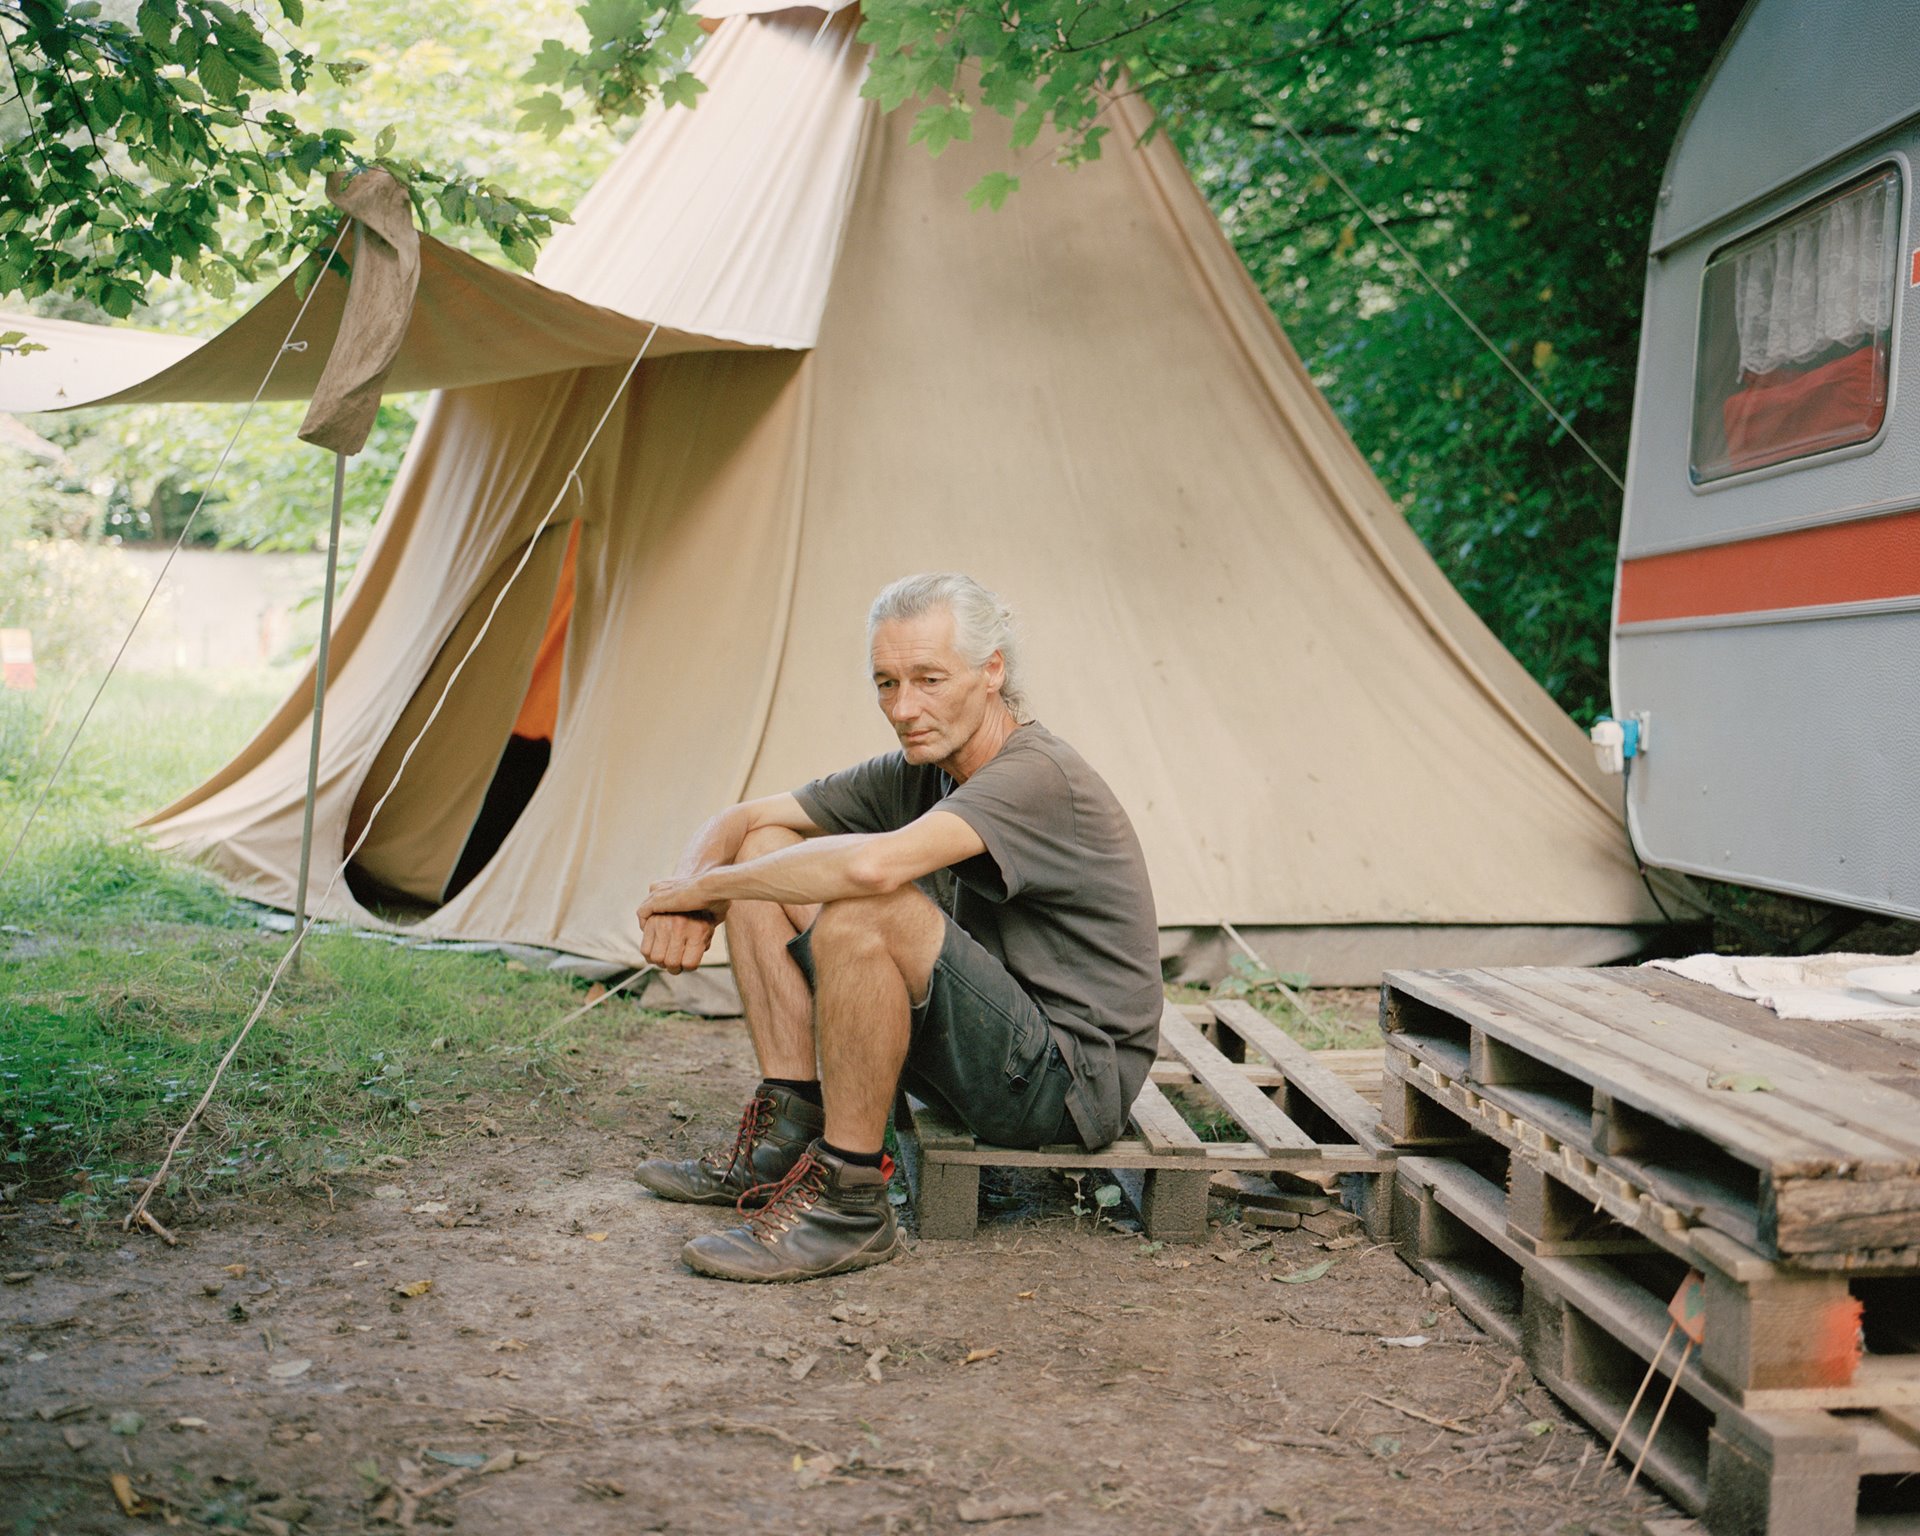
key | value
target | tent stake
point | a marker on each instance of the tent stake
(319, 704)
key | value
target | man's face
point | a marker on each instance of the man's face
(933, 700)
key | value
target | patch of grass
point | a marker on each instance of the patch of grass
(82, 869)
(369, 1048)
(1328, 1027)
(126, 973)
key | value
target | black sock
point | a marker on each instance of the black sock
(807, 1091)
(858, 1159)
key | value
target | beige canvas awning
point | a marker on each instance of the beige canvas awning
(675, 251)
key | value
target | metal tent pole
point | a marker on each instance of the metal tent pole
(319, 705)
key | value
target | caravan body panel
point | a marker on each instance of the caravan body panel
(1767, 606)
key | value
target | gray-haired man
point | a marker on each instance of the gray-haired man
(969, 916)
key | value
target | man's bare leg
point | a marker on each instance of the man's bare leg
(873, 956)
(780, 1121)
(773, 992)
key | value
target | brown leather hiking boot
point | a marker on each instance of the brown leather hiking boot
(825, 1218)
(774, 1131)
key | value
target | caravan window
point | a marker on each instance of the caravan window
(1796, 328)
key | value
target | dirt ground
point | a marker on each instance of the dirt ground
(277, 1371)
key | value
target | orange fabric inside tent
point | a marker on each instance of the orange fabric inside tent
(540, 709)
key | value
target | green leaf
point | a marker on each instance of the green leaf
(250, 53)
(683, 89)
(1107, 1196)
(294, 11)
(1739, 1082)
(383, 141)
(156, 20)
(1304, 1276)
(344, 71)
(1027, 126)
(551, 64)
(991, 190)
(614, 20)
(544, 113)
(937, 127)
(218, 74)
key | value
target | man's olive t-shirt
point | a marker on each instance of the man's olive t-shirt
(1060, 898)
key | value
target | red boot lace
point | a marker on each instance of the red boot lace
(755, 1121)
(791, 1199)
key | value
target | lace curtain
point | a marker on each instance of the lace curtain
(1825, 280)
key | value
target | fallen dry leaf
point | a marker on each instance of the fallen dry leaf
(286, 1370)
(975, 1356)
(873, 1362)
(1006, 1506)
(604, 1488)
(75, 1440)
(596, 1237)
(500, 1344)
(238, 1271)
(1026, 1296)
(799, 1369)
(188, 1422)
(19, 1277)
(413, 1288)
(131, 1504)
(814, 1470)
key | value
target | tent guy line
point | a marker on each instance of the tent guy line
(1446, 298)
(139, 1214)
(286, 346)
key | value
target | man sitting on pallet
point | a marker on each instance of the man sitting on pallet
(968, 917)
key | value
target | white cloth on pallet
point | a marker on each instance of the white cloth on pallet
(1809, 987)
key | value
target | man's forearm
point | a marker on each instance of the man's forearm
(819, 869)
(716, 843)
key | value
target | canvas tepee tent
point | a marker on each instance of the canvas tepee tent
(1080, 399)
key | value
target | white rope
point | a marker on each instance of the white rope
(572, 479)
(1446, 298)
(287, 345)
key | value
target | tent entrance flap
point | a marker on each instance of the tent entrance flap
(420, 844)
(523, 761)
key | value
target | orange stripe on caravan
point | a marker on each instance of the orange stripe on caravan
(1863, 561)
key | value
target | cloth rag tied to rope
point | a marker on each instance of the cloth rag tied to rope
(385, 274)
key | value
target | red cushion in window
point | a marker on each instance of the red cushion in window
(1784, 414)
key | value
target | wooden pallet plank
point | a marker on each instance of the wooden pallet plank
(1846, 1043)
(1829, 1089)
(1161, 1126)
(1353, 1114)
(1583, 1049)
(1258, 1116)
(1133, 1152)
(1171, 1073)
(1787, 1136)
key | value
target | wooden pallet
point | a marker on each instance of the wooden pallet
(1779, 1336)
(1589, 1327)
(1292, 1111)
(1607, 1074)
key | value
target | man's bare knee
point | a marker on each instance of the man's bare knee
(902, 926)
(764, 840)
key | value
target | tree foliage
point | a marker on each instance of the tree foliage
(140, 138)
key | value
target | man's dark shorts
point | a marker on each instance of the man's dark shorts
(981, 1052)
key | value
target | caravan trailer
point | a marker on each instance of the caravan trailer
(1766, 634)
